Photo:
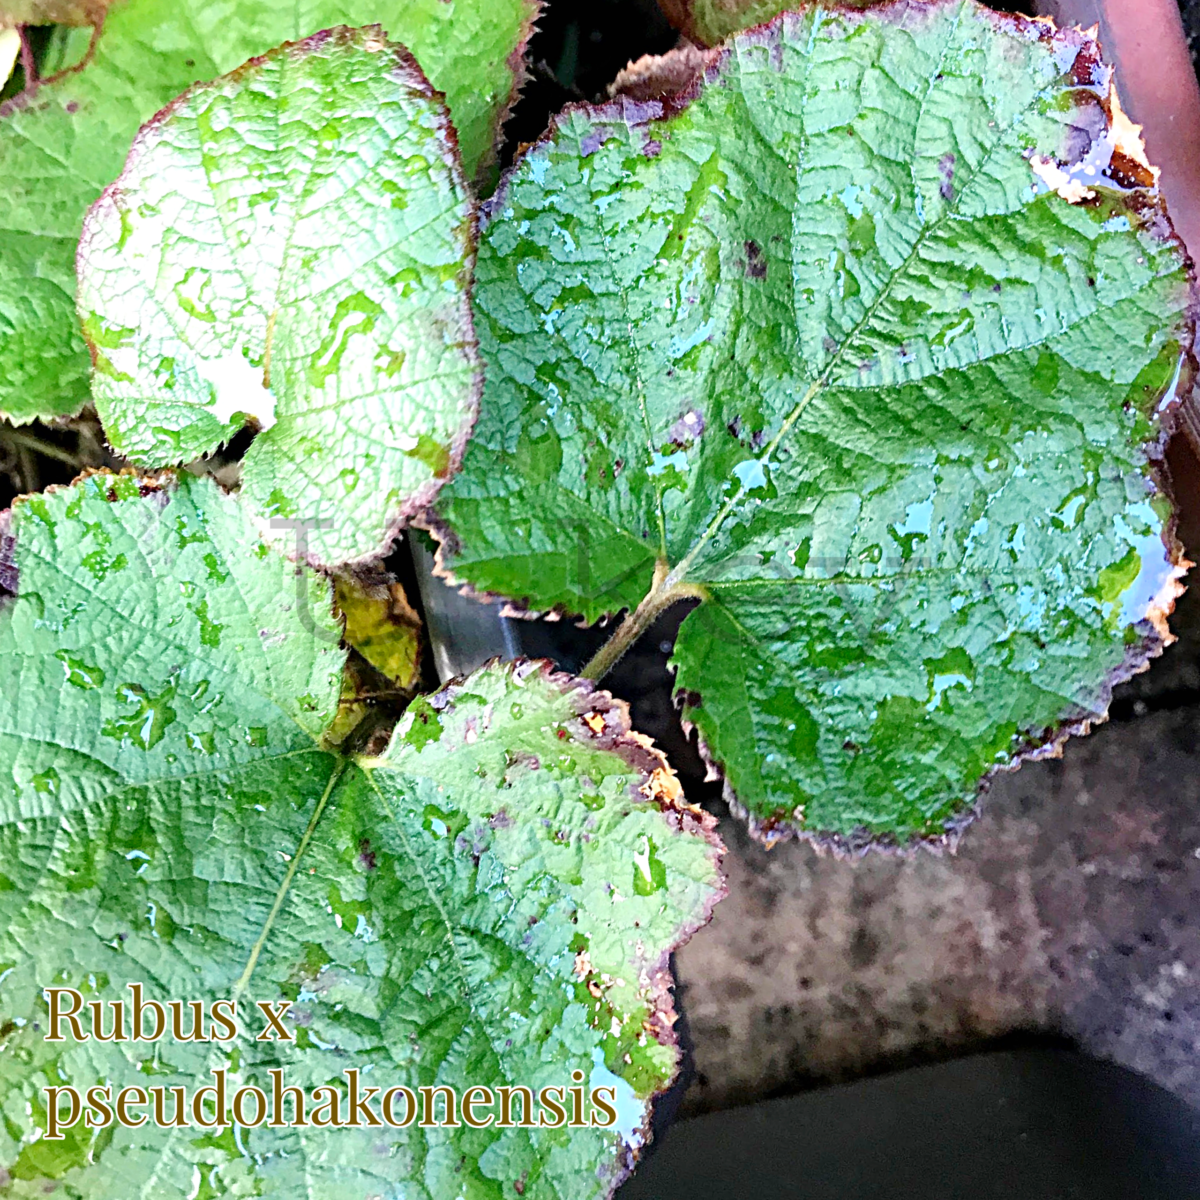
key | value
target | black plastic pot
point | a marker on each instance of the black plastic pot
(1025, 1125)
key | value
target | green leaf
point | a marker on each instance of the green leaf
(51, 12)
(708, 22)
(490, 902)
(822, 348)
(474, 52)
(63, 144)
(293, 243)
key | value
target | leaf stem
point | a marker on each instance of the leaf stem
(661, 596)
(244, 979)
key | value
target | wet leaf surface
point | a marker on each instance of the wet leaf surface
(292, 244)
(491, 901)
(820, 344)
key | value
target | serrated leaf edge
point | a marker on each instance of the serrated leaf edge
(518, 63)
(658, 785)
(770, 832)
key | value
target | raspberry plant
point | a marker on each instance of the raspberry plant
(866, 343)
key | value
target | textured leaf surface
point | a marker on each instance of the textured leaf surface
(707, 22)
(822, 345)
(292, 243)
(491, 902)
(61, 146)
(474, 51)
(51, 12)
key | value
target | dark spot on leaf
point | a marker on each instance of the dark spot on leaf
(652, 149)
(946, 170)
(73, 106)
(501, 821)
(851, 747)
(756, 263)
(735, 427)
(1088, 69)
(366, 855)
(1128, 172)
(7, 1028)
(687, 430)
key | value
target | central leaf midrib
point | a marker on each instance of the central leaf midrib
(679, 572)
(285, 886)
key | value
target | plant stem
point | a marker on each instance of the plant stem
(657, 601)
(46, 449)
(28, 62)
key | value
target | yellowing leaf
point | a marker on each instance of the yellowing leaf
(382, 626)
